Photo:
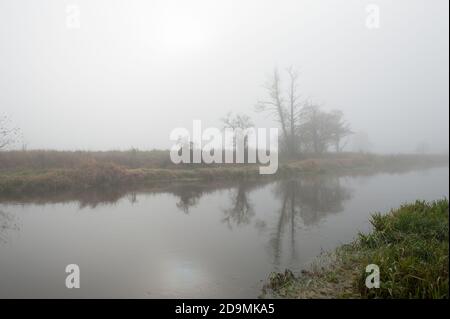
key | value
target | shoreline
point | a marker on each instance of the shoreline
(107, 174)
(410, 245)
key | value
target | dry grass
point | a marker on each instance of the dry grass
(45, 160)
(41, 172)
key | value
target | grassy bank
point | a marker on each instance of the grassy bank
(42, 172)
(410, 245)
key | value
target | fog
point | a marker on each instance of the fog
(132, 71)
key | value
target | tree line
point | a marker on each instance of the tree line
(305, 126)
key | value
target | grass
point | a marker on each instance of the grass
(43, 172)
(410, 245)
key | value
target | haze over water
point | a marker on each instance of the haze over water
(194, 241)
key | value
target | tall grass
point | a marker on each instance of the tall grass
(411, 247)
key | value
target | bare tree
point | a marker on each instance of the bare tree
(305, 127)
(8, 134)
(240, 123)
(340, 129)
(315, 129)
(275, 105)
(320, 130)
(294, 105)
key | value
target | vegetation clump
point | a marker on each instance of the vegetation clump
(410, 245)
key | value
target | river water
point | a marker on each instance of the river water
(193, 240)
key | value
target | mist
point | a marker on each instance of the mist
(131, 72)
(224, 149)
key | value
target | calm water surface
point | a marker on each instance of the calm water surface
(193, 241)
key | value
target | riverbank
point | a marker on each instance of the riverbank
(409, 244)
(46, 172)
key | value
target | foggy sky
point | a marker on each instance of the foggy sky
(135, 70)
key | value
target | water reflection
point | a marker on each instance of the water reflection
(240, 210)
(311, 198)
(188, 196)
(191, 240)
(87, 199)
(8, 225)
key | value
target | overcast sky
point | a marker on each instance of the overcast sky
(135, 70)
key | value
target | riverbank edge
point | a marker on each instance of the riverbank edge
(410, 245)
(105, 175)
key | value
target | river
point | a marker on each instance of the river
(193, 240)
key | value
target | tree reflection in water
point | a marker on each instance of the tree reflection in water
(303, 201)
(188, 196)
(311, 198)
(241, 210)
(8, 224)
